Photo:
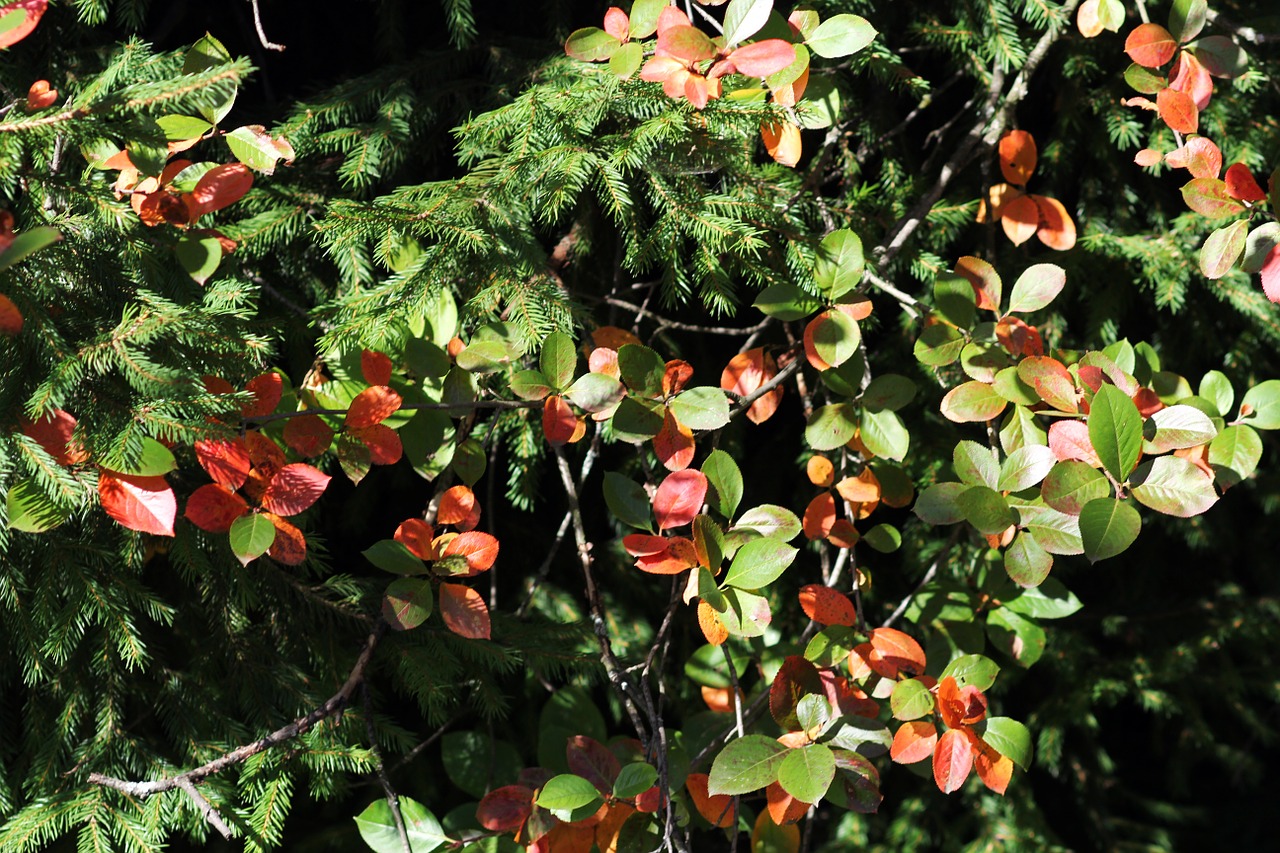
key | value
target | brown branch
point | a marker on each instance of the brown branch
(266, 42)
(781, 376)
(207, 809)
(334, 705)
(665, 323)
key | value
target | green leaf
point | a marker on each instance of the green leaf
(208, 53)
(786, 302)
(725, 480)
(198, 256)
(839, 265)
(530, 385)
(701, 408)
(1018, 637)
(910, 700)
(569, 797)
(813, 712)
(1209, 198)
(1025, 467)
(1115, 431)
(1216, 388)
(484, 357)
(407, 603)
(744, 18)
(1221, 56)
(1143, 80)
(1260, 407)
(972, 402)
(770, 520)
(634, 779)
(1223, 248)
(1049, 600)
(759, 562)
(747, 614)
(884, 538)
(975, 464)
(940, 504)
(30, 510)
(595, 392)
(153, 460)
(251, 536)
(745, 765)
(28, 242)
(884, 434)
(177, 128)
(378, 827)
(1036, 288)
(938, 345)
(1025, 561)
(889, 391)
(644, 17)
(635, 420)
(1187, 18)
(1020, 429)
(254, 147)
(1108, 527)
(831, 426)
(835, 337)
(477, 762)
(1234, 455)
(626, 60)
(1008, 737)
(841, 35)
(391, 556)
(1173, 486)
(1176, 427)
(1057, 532)
(1258, 246)
(627, 500)
(972, 670)
(1072, 484)
(591, 44)
(558, 360)
(806, 773)
(983, 360)
(953, 299)
(986, 509)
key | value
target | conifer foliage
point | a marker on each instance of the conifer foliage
(684, 454)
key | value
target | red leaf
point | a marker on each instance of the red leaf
(1070, 440)
(308, 435)
(559, 423)
(372, 406)
(819, 516)
(1019, 338)
(10, 317)
(1178, 110)
(674, 443)
(616, 23)
(686, 43)
(826, 606)
(1150, 45)
(1017, 156)
(746, 372)
(456, 505)
(674, 377)
(416, 535)
(464, 611)
(952, 760)
(784, 808)
(1199, 156)
(479, 549)
(1271, 274)
(718, 810)
(263, 452)
(762, 58)
(1191, 78)
(960, 706)
(591, 760)
(33, 9)
(145, 504)
(782, 141)
(376, 367)
(294, 488)
(644, 544)
(680, 554)
(219, 187)
(383, 443)
(227, 462)
(1020, 218)
(53, 432)
(1056, 230)
(985, 281)
(671, 16)
(796, 678)
(1241, 185)
(898, 650)
(505, 809)
(218, 385)
(213, 507)
(267, 390)
(289, 546)
(679, 497)
(913, 741)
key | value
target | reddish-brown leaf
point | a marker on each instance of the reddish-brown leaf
(612, 337)
(1178, 110)
(1241, 185)
(680, 554)
(383, 443)
(952, 760)
(226, 461)
(416, 535)
(746, 372)
(985, 280)
(267, 390)
(308, 435)
(213, 507)
(1018, 337)
(644, 544)
(33, 9)
(820, 471)
(456, 505)
(1051, 380)
(145, 504)
(1020, 219)
(796, 679)
(372, 406)
(290, 546)
(263, 452)
(559, 423)
(913, 741)
(762, 58)
(464, 611)
(294, 488)
(784, 808)
(505, 809)
(219, 187)
(591, 760)
(1199, 156)
(10, 317)
(376, 367)
(1057, 229)
(716, 810)
(827, 606)
(898, 650)
(843, 534)
(674, 443)
(53, 432)
(1150, 45)
(675, 375)
(782, 141)
(846, 697)
(479, 549)
(679, 498)
(1017, 151)
(819, 516)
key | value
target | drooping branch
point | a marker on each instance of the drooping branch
(262, 33)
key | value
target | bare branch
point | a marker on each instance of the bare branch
(207, 809)
(665, 323)
(262, 34)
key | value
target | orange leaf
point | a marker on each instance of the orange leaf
(952, 760)
(843, 534)
(145, 504)
(219, 187)
(1020, 218)
(995, 770)
(898, 651)
(675, 375)
(479, 549)
(308, 435)
(416, 535)
(826, 606)
(456, 505)
(782, 141)
(1191, 77)
(718, 810)
(1199, 156)
(1017, 152)
(820, 471)
(1150, 45)
(376, 367)
(913, 741)
(1178, 110)
(227, 462)
(678, 555)
(372, 406)
(559, 423)
(1057, 230)
(464, 611)
(383, 443)
(267, 390)
(674, 443)
(1147, 157)
(746, 372)
(289, 546)
(720, 699)
(612, 337)
(40, 96)
(608, 829)
(712, 628)
(784, 808)
(819, 516)
(1019, 338)
(864, 488)
(10, 317)
(214, 508)
(679, 498)
(985, 281)
(294, 488)
(604, 361)
(33, 9)
(1241, 185)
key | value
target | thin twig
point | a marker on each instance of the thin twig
(928, 576)
(393, 800)
(545, 568)
(781, 376)
(418, 750)
(207, 810)
(262, 34)
(666, 323)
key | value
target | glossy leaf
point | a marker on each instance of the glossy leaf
(1150, 45)
(759, 562)
(1108, 527)
(831, 426)
(1115, 431)
(1260, 407)
(251, 535)
(294, 488)
(839, 264)
(590, 44)
(1173, 486)
(407, 603)
(913, 742)
(464, 611)
(378, 827)
(145, 504)
(1234, 455)
(745, 765)
(1017, 151)
(1038, 286)
(1209, 197)
(972, 402)
(1223, 248)
(679, 497)
(1072, 484)
(806, 773)
(841, 35)
(986, 510)
(214, 508)
(1026, 561)
(725, 481)
(952, 760)
(1008, 737)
